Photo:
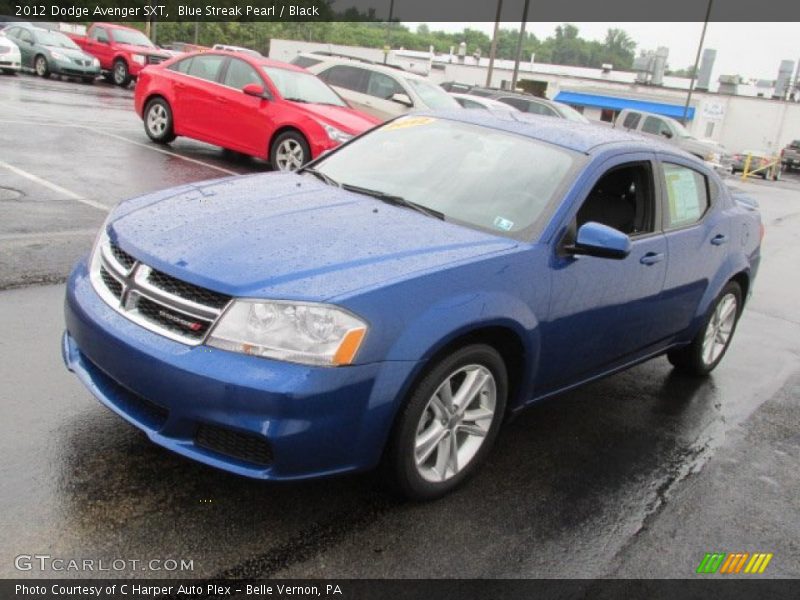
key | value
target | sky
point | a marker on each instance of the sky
(753, 50)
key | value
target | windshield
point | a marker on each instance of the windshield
(302, 87)
(571, 114)
(53, 38)
(432, 95)
(132, 38)
(476, 176)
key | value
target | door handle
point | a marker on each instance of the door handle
(180, 85)
(222, 99)
(652, 258)
(720, 239)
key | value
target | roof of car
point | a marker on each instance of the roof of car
(572, 135)
(364, 64)
(259, 60)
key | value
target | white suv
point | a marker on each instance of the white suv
(381, 91)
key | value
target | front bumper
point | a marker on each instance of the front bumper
(298, 421)
(72, 69)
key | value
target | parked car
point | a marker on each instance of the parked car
(759, 161)
(10, 57)
(239, 49)
(395, 300)
(384, 92)
(530, 104)
(673, 132)
(790, 155)
(122, 51)
(468, 101)
(48, 53)
(248, 104)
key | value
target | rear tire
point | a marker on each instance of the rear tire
(712, 341)
(120, 73)
(449, 423)
(41, 67)
(157, 118)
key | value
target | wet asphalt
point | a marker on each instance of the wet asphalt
(637, 475)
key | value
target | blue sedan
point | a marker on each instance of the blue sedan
(396, 300)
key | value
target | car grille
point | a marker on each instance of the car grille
(176, 309)
(82, 62)
(247, 447)
(154, 60)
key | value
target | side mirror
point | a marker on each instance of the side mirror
(401, 99)
(666, 134)
(253, 89)
(102, 41)
(602, 241)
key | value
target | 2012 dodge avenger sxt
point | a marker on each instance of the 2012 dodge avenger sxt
(393, 301)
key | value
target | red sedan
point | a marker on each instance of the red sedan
(252, 105)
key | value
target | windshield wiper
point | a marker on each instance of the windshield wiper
(394, 200)
(320, 175)
(290, 99)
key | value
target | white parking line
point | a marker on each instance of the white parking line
(102, 131)
(56, 188)
(23, 237)
(157, 149)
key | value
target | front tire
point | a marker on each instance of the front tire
(289, 152)
(712, 341)
(120, 73)
(158, 121)
(449, 423)
(41, 67)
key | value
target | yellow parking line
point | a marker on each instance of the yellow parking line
(56, 188)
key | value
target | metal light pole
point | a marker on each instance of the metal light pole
(493, 50)
(519, 45)
(696, 62)
(388, 45)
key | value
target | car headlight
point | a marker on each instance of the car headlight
(303, 332)
(139, 58)
(336, 134)
(713, 157)
(59, 56)
(95, 62)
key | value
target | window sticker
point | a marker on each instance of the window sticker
(407, 122)
(503, 224)
(683, 195)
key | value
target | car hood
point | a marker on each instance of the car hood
(288, 236)
(147, 51)
(346, 119)
(70, 52)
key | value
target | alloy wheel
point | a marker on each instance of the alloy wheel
(289, 155)
(41, 66)
(157, 120)
(120, 72)
(719, 329)
(455, 423)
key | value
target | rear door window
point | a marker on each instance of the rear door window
(99, 34)
(687, 196)
(206, 67)
(631, 120)
(347, 77)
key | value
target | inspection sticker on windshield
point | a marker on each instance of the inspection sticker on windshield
(406, 122)
(503, 224)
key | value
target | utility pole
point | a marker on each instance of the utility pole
(696, 62)
(519, 45)
(493, 50)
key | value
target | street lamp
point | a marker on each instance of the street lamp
(696, 62)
